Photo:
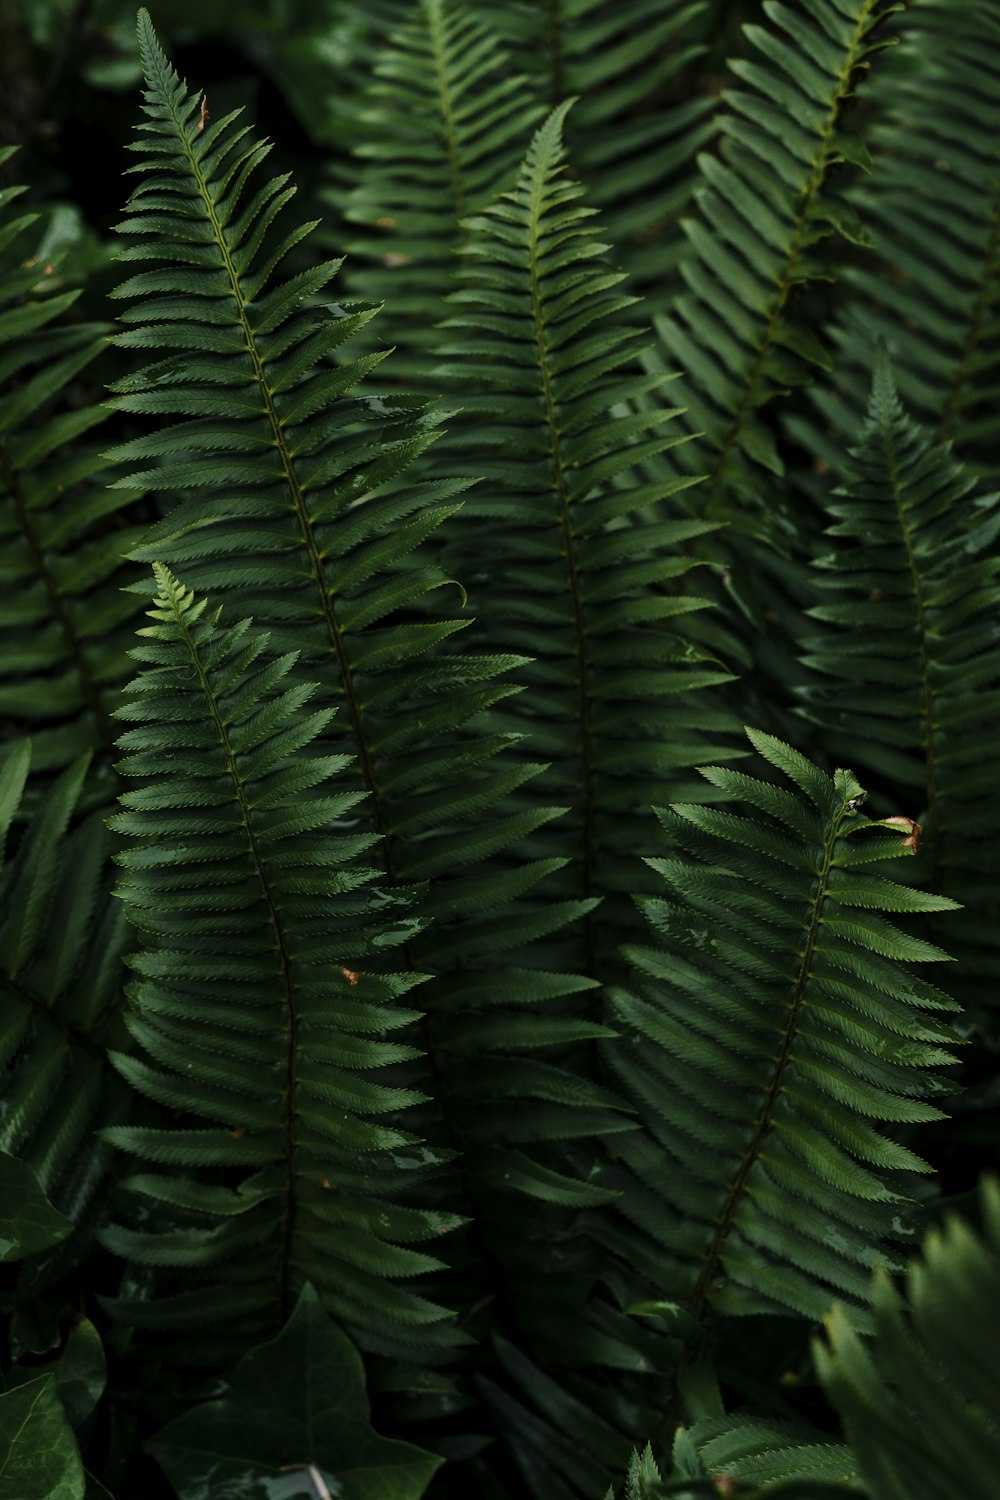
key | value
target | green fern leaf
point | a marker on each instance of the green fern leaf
(933, 292)
(908, 668)
(444, 130)
(62, 650)
(776, 1028)
(919, 1399)
(767, 205)
(61, 946)
(576, 559)
(632, 143)
(251, 1013)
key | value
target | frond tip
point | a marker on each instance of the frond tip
(776, 1026)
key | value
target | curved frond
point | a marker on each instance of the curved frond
(61, 947)
(62, 651)
(775, 1042)
(256, 1019)
(444, 129)
(768, 205)
(919, 1399)
(932, 292)
(908, 663)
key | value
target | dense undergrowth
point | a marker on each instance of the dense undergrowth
(500, 706)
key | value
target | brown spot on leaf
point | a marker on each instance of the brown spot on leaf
(203, 116)
(351, 975)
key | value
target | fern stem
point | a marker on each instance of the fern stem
(80, 1036)
(288, 983)
(104, 727)
(787, 282)
(436, 30)
(552, 38)
(565, 525)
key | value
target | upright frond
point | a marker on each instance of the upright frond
(574, 556)
(768, 203)
(261, 1008)
(62, 649)
(61, 946)
(631, 138)
(908, 663)
(444, 129)
(932, 291)
(776, 1029)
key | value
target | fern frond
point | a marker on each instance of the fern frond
(909, 669)
(254, 1014)
(775, 1028)
(767, 206)
(919, 1399)
(443, 131)
(932, 292)
(62, 651)
(308, 522)
(61, 947)
(632, 141)
(575, 560)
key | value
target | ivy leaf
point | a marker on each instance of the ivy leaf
(81, 1373)
(28, 1222)
(295, 1418)
(38, 1453)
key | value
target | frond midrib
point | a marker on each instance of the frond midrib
(285, 959)
(572, 571)
(787, 283)
(435, 26)
(330, 620)
(926, 686)
(74, 1034)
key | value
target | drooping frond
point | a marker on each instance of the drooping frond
(768, 204)
(443, 132)
(932, 292)
(908, 663)
(774, 1027)
(919, 1399)
(630, 137)
(61, 947)
(62, 653)
(256, 1019)
(572, 552)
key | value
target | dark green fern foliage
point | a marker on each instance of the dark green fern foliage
(62, 653)
(776, 1025)
(257, 909)
(568, 542)
(634, 133)
(61, 947)
(933, 204)
(908, 664)
(444, 128)
(919, 1400)
(768, 205)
